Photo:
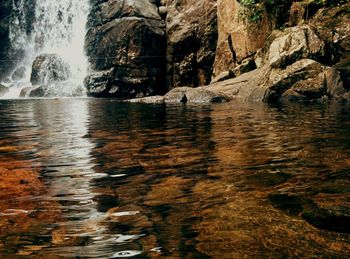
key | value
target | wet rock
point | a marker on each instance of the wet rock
(49, 68)
(3, 90)
(296, 13)
(7, 62)
(246, 66)
(149, 99)
(9, 53)
(106, 11)
(333, 27)
(309, 89)
(343, 68)
(25, 92)
(100, 84)
(19, 73)
(126, 48)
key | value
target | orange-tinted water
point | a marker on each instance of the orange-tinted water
(89, 178)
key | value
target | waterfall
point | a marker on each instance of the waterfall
(52, 36)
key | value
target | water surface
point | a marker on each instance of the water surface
(88, 178)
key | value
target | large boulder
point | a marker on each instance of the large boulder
(49, 68)
(126, 46)
(191, 41)
(305, 62)
(50, 77)
(305, 79)
(294, 44)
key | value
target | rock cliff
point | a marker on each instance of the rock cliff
(145, 47)
(9, 53)
(126, 46)
(191, 28)
(263, 56)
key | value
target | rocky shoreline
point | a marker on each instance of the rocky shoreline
(211, 50)
(302, 63)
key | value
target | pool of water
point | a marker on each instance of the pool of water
(87, 178)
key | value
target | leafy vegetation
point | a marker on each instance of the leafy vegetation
(252, 10)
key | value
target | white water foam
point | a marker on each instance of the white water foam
(58, 29)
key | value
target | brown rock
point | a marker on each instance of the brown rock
(238, 39)
(292, 45)
(296, 13)
(335, 86)
(192, 38)
(282, 80)
(195, 95)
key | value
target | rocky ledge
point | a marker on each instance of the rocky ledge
(310, 61)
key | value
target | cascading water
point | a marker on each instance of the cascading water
(54, 46)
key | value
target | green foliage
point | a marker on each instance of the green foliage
(251, 10)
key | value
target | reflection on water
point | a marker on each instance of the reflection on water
(100, 179)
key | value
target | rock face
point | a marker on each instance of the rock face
(126, 48)
(238, 39)
(9, 53)
(5, 55)
(305, 62)
(191, 42)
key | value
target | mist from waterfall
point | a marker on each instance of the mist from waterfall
(57, 29)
